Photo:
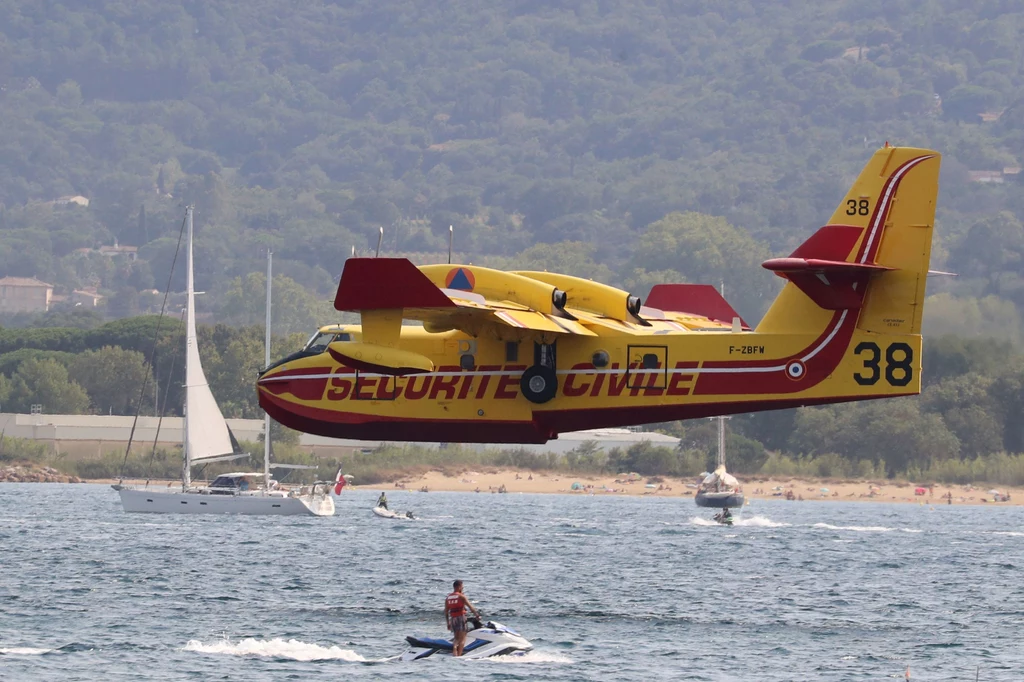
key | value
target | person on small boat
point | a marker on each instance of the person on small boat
(409, 515)
(724, 516)
(382, 501)
(455, 616)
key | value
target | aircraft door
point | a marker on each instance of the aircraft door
(647, 367)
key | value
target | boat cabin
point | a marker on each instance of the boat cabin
(230, 484)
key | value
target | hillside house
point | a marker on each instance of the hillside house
(86, 298)
(76, 199)
(129, 252)
(24, 295)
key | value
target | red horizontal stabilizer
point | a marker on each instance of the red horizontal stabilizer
(382, 283)
(816, 265)
(696, 299)
(833, 285)
(820, 269)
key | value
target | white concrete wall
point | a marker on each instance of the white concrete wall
(100, 432)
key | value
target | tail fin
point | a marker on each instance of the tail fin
(873, 254)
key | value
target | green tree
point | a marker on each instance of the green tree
(46, 382)
(112, 377)
(295, 310)
(567, 258)
(702, 249)
(232, 375)
(967, 408)
(5, 391)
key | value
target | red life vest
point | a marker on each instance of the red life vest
(455, 604)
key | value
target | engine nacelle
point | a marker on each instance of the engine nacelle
(591, 296)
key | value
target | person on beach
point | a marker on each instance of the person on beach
(455, 616)
(382, 501)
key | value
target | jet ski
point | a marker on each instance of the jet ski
(389, 514)
(724, 517)
(483, 640)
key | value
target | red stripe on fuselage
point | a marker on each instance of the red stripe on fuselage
(334, 424)
(760, 377)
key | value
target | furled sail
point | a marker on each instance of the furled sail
(207, 436)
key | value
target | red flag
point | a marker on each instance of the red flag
(339, 482)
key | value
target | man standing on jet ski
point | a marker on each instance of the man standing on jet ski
(382, 501)
(455, 616)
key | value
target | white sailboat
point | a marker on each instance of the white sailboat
(207, 439)
(720, 489)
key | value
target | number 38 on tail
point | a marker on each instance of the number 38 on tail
(519, 357)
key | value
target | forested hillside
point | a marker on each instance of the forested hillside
(305, 126)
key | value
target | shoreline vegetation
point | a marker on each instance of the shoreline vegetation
(461, 468)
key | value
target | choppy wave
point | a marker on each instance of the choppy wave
(23, 651)
(1011, 533)
(760, 522)
(858, 529)
(292, 649)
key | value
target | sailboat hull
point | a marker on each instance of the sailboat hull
(729, 500)
(177, 502)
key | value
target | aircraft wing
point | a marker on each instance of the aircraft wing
(375, 284)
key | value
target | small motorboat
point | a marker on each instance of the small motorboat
(724, 517)
(386, 513)
(483, 640)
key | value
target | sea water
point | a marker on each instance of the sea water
(606, 587)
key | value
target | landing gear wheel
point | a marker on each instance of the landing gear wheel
(539, 384)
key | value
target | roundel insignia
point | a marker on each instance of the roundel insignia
(461, 279)
(796, 370)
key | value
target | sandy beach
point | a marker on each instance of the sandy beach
(802, 490)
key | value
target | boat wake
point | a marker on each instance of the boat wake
(23, 651)
(759, 522)
(752, 522)
(291, 649)
(865, 529)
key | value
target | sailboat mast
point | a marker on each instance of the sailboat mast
(721, 441)
(721, 419)
(190, 301)
(266, 363)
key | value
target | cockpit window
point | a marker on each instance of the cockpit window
(320, 340)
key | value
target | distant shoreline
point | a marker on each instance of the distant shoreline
(804, 489)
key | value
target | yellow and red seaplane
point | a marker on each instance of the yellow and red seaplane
(519, 357)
